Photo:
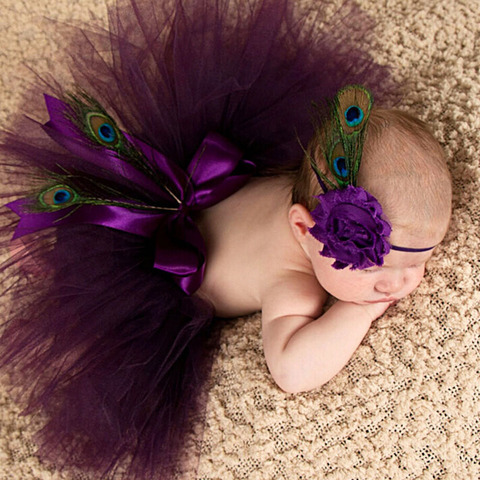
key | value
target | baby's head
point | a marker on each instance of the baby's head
(404, 168)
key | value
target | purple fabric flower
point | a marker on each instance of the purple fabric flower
(349, 223)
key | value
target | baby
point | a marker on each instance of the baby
(262, 255)
(174, 107)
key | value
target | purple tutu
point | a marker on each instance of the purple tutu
(108, 350)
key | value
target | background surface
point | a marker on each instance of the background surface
(407, 405)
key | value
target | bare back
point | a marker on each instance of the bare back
(249, 246)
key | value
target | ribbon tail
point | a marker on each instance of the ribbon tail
(137, 222)
(182, 254)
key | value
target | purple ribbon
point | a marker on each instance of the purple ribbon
(216, 171)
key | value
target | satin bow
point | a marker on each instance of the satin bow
(216, 170)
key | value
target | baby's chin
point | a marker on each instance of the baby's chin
(382, 300)
(378, 298)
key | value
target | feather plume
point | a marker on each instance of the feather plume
(101, 130)
(107, 167)
(74, 190)
(341, 137)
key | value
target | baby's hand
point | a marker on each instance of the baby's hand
(376, 310)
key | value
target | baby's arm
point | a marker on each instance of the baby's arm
(304, 350)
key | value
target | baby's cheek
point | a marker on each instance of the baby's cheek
(416, 280)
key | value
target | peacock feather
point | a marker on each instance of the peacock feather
(101, 130)
(73, 190)
(82, 126)
(342, 136)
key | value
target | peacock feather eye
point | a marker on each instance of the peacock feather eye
(59, 196)
(340, 166)
(352, 109)
(354, 115)
(103, 129)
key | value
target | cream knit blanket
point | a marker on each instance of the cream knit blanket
(407, 405)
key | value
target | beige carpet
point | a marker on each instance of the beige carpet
(407, 405)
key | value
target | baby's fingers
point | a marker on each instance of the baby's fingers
(376, 310)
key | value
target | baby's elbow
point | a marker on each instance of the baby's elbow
(289, 386)
(293, 380)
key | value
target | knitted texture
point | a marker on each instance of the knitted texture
(407, 405)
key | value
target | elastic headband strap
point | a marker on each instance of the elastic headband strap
(412, 250)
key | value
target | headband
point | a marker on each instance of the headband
(349, 221)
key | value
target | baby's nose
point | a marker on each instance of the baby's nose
(390, 285)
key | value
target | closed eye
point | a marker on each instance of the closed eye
(371, 270)
(418, 265)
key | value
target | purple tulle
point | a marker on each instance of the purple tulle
(110, 352)
(113, 349)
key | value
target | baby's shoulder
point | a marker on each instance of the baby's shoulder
(253, 259)
(293, 292)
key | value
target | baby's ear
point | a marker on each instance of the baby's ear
(300, 221)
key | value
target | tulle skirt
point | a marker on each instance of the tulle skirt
(111, 354)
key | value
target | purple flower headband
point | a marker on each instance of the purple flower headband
(349, 221)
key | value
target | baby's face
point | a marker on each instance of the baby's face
(398, 277)
(400, 274)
